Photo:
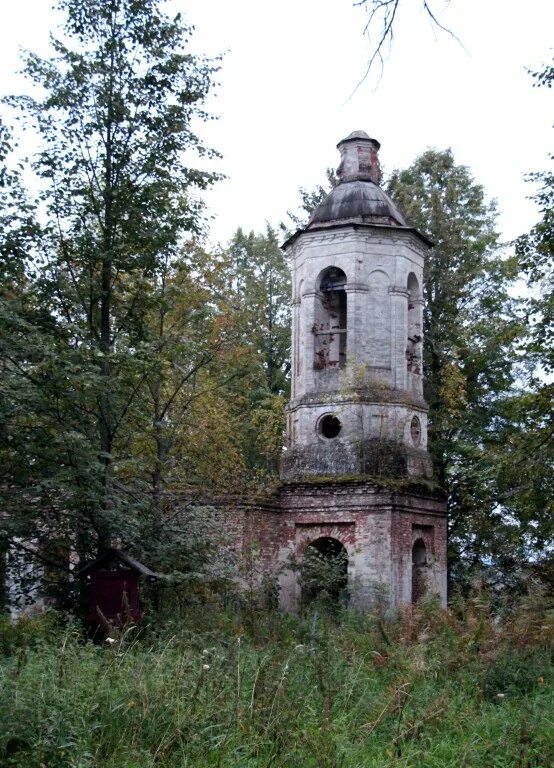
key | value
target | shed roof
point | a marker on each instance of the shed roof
(116, 554)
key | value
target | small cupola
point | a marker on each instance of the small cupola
(357, 198)
(359, 158)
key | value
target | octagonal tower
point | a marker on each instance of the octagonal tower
(357, 402)
(356, 474)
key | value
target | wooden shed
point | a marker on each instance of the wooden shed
(114, 591)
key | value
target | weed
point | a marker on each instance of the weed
(425, 687)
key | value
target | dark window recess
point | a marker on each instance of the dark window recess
(419, 570)
(329, 327)
(414, 342)
(330, 426)
(324, 571)
(415, 431)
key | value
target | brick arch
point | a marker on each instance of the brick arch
(326, 572)
(379, 271)
(322, 536)
(331, 267)
(343, 532)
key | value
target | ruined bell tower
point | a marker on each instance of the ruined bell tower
(356, 473)
(357, 402)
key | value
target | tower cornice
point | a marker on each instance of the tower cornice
(344, 229)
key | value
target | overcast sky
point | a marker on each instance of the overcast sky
(286, 94)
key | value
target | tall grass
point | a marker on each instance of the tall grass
(427, 688)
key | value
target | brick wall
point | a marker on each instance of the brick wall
(377, 525)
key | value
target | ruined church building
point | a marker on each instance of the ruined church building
(356, 477)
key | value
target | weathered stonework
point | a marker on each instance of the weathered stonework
(377, 523)
(356, 470)
(373, 457)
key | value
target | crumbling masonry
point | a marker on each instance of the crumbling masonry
(356, 477)
(356, 474)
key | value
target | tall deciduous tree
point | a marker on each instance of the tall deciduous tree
(260, 285)
(18, 232)
(309, 200)
(527, 453)
(257, 283)
(116, 112)
(470, 327)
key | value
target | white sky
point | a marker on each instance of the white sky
(285, 95)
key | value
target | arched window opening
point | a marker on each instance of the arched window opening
(297, 362)
(329, 327)
(415, 430)
(415, 337)
(324, 571)
(419, 570)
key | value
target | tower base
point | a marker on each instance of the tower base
(394, 535)
(375, 458)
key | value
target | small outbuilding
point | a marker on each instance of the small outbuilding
(114, 591)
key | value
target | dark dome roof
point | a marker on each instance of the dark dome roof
(358, 201)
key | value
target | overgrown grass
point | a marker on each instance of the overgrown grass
(252, 688)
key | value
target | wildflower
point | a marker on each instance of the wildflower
(110, 640)
(205, 666)
(500, 695)
(205, 652)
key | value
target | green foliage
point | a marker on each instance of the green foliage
(258, 284)
(423, 688)
(309, 200)
(471, 332)
(108, 328)
(29, 632)
(255, 279)
(527, 454)
(323, 575)
(514, 673)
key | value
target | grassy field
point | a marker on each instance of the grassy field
(254, 688)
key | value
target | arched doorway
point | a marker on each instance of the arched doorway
(419, 570)
(324, 571)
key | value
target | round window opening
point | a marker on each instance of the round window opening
(415, 431)
(330, 426)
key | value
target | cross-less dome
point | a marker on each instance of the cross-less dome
(359, 135)
(361, 202)
(358, 199)
(358, 196)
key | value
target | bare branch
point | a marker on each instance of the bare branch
(381, 18)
